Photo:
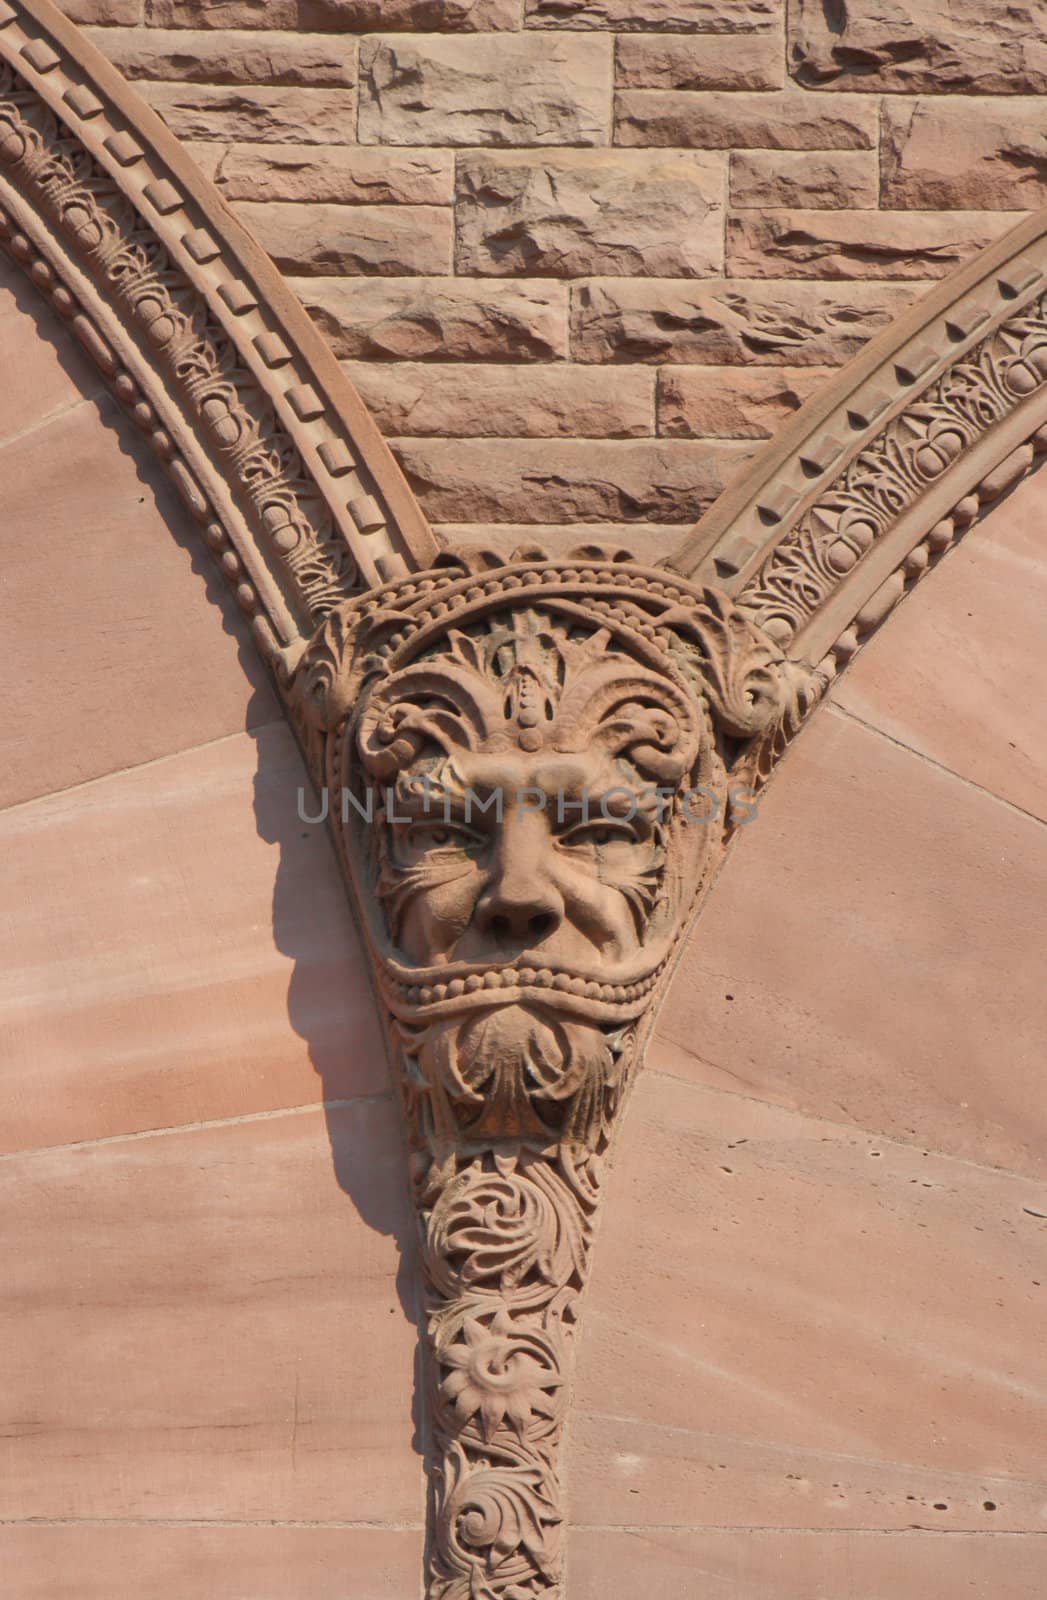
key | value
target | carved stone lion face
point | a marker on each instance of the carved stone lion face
(517, 750)
(526, 780)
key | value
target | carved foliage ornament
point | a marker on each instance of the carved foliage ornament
(517, 749)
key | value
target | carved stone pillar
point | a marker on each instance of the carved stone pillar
(532, 770)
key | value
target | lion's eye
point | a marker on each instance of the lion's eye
(600, 835)
(440, 836)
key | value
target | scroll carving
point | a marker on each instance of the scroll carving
(886, 478)
(516, 748)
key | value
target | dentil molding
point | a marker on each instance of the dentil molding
(534, 766)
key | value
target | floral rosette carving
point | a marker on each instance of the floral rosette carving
(510, 752)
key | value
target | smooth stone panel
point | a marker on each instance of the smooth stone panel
(756, 1565)
(244, 1563)
(122, 644)
(177, 946)
(873, 952)
(959, 672)
(211, 1325)
(49, 372)
(794, 1324)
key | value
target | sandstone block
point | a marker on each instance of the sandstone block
(503, 90)
(337, 241)
(732, 402)
(111, 13)
(167, 1291)
(919, 46)
(590, 211)
(461, 399)
(729, 322)
(274, 116)
(676, 16)
(699, 61)
(414, 16)
(120, 564)
(439, 319)
(946, 154)
(223, 1563)
(834, 179)
(952, 907)
(937, 680)
(337, 175)
(559, 480)
(188, 55)
(789, 1565)
(177, 863)
(225, 14)
(712, 121)
(207, 154)
(857, 244)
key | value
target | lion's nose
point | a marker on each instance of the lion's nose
(524, 914)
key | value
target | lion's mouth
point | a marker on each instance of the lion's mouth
(433, 990)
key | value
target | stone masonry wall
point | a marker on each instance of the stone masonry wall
(579, 255)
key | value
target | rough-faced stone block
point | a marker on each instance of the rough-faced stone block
(111, 13)
(833, 179)
(204, 56)
(857, 244)
(581, 211)
(699, 61)
(413, 16)
(712, 121)
(732, 402)
(224, 14)
(277, 116)
(918, 46)
(945, 154)
(729, 321)
(518, 89)
(472, 401)
(522, 480)
(439, 319)
(338, 241)
(339, 175)
(676, 16)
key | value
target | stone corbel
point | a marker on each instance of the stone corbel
(533, 766)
